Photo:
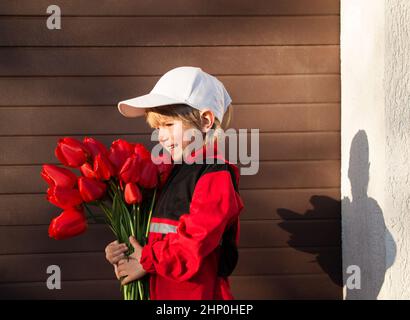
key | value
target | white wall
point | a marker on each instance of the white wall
(375, 67)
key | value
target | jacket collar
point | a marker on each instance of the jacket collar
(207, 151)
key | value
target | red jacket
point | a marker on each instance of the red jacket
(194, 233)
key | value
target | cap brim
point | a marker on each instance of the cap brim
(135, 107)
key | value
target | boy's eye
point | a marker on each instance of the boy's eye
(169, 124)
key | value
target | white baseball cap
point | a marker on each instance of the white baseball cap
(182, 85)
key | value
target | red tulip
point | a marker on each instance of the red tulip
(142, 152)
(164, 166)
(148, 175)
(132, 193)
(130, 171)
(119, 152)
(103, 168)
(63, 198)
(91, 189)
(87, 171)
(57, 176)
(69, 223)
(94, 147)
(71, 152)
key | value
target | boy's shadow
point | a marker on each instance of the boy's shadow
(367, 242)
(329, 260)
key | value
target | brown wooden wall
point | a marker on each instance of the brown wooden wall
(279, 60)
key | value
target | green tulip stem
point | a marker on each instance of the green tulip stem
(140, 289)
(132, 222)
(150, 213)
(90, 213)
(138, 224)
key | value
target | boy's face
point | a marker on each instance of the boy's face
(170, 135)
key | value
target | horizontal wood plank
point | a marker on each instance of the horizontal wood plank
(35, 239)
(285, 287)
(174, 8)
(268, 233)
(71, 290)
(277, 174)
(171, 31)
(279, 146)
(157, 60)
(111, 90)
(293, 174)
(32, 267)
(253, 234)
(294, 204)
(243, 288)
(106, 120)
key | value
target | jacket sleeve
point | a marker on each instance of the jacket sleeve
(214, 205)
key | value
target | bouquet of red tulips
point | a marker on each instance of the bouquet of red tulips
(122, 181)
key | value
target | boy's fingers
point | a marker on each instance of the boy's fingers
(115, 258)
(125, 281)
(134, 242)
(118, 252)
(121, 262)
(122, 271)
(115, 250)
(114, 243)
(116, 247)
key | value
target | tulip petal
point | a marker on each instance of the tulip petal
(64, 198)
(148, 175)
(91, 189)
(57, 176)
(71, 152)
(132, 193)
(69, 223)
(94, 147)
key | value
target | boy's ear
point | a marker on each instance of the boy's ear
(207, 119)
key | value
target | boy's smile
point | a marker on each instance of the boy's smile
(170, 135)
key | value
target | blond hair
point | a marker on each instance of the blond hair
(189, 116)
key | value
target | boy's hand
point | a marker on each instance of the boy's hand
(131, 268)
(114, 252)
(116, 271)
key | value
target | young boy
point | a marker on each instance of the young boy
(194, 231)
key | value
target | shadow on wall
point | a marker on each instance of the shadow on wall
(365, 236)
(329, 257)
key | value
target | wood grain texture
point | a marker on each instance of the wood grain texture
(18, 268)
(244, 288)
(265, 204)
(106, 120)
(174, 8)
(155, 61)
(171, 31)
(282, 174)
(272, 146)
(254, 234)
(279, 61)
(110, 90)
